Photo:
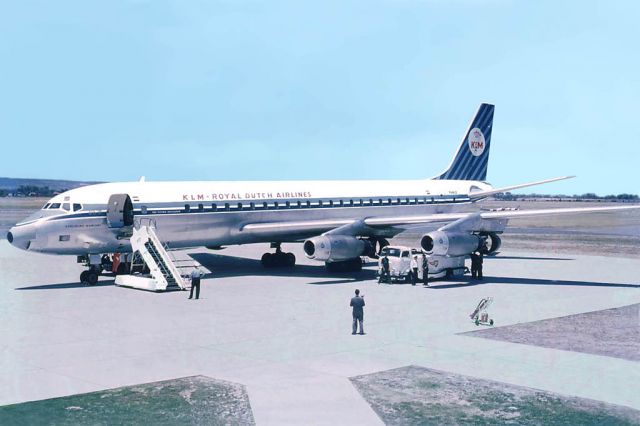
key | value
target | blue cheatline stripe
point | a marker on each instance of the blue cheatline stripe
(458, 170)
(466, 166)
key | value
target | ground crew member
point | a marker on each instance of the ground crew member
(385, 275)
(425, 270)
(357, 303)
(414, 269)
(474, 265)
(479, 267)
(195, 283)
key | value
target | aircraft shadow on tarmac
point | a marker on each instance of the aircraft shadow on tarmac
(233, 266)
(62, 286)
(528, 258)
(533, 281)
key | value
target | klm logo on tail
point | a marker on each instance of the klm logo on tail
(472, 158)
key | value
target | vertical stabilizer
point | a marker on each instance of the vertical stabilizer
(472, 158)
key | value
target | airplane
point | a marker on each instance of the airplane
(338, 222)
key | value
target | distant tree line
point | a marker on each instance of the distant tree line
(589, 196)
(29, 191)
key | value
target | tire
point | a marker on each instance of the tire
(92, 278)
(267, 260)
(491, 322)
(83, 277)
(290, 260)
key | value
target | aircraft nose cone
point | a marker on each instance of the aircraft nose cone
(21, 236)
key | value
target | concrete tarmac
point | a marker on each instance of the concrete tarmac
(286, 334)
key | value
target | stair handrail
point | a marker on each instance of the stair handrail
(167, 260)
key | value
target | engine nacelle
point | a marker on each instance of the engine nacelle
(452, 244)
(334, 248)
(492, 242)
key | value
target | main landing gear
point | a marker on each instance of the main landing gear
(279, 259)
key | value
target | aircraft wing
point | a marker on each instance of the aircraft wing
(499, 214)
(476, 195)
(294, 230)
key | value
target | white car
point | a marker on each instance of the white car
(400, 264)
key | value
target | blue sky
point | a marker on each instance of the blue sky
(279, 90)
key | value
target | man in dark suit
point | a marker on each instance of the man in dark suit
(425, 270)
(357, 303)
(385, 274)
(474, 265)
(195, 283)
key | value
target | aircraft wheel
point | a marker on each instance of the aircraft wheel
(92, 277)
(83, 277)
(290, 259)
(267, 260)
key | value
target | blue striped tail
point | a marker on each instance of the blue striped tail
(472, 158)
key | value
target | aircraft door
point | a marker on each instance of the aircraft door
(119, 211)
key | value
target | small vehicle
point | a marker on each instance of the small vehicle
(400, 264)
(480, 315)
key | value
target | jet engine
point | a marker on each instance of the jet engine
(335, 248)
(492, 242)
(451, 244)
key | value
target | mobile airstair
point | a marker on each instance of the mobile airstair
(165, 272)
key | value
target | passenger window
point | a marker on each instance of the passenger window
(187, 208)
(299, 203)
(64, 237)
(288, 204)
(239, 206)
(265, 205)
(405, 254)
(252, 205)
(226, 206)
(66, 207)
(143, 209)
(77, 207)
(200, 207)
(214, 207)
(308, 203)
(275, 204)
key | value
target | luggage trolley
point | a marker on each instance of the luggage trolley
(480, 314)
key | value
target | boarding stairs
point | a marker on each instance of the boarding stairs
(165, 274)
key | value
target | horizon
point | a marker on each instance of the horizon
(339, 90)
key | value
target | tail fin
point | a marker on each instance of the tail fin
(472, 158)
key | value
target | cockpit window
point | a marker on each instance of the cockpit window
(66, 207)
(77, 207)
(54, 206)
(46, 206)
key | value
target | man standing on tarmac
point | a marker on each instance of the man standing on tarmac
(425, 270)
(414, 269)
(385, 275)
(476, 265)
(479, 265)
(195, 283)
(357, 303)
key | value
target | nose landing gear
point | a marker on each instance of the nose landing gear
(278, 259)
